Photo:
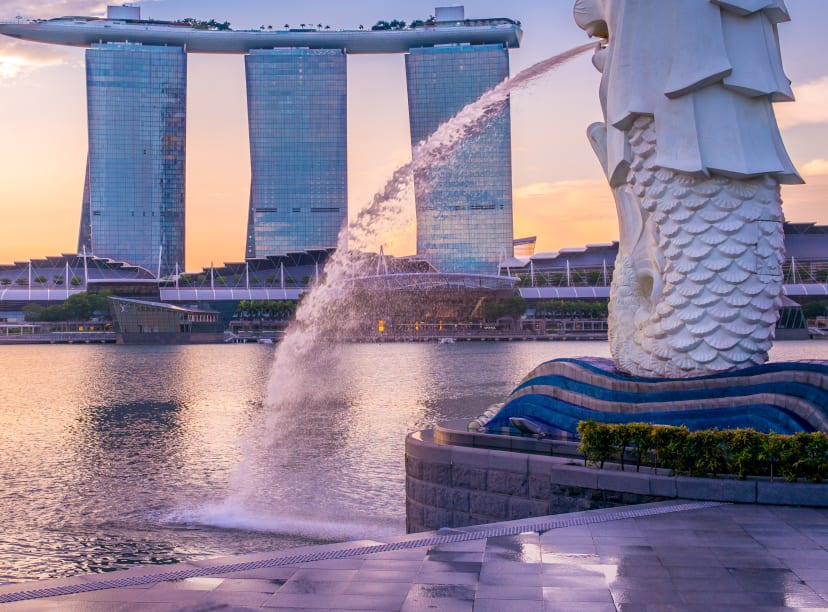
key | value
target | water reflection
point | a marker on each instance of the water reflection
(116, 439)
(112, 456)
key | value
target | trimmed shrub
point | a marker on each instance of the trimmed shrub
(670, 444)
(597, 442)
(743, 451)
(641, 438)
(740, 452)
(706, 453)
(621, 435)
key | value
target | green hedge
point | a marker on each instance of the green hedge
(710, 452)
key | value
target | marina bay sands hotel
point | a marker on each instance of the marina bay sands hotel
(136, 76)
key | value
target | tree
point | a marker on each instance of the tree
(814, 309)
(212, 24)
(75, 281)
(40, 279)
(32, 312)
(78, 307)
(512, 307)
(5, 281)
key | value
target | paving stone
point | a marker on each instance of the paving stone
(728, 557)
(576, 596)
(482, 604)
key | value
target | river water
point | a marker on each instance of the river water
(112, 456)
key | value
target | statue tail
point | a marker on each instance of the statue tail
(700, 291)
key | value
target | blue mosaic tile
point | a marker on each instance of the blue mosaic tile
(692, 404)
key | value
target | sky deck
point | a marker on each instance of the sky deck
(84, 32)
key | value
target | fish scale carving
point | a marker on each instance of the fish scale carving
(709, 296)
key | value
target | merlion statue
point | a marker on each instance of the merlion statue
(691, 149)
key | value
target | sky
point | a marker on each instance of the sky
(560, 194)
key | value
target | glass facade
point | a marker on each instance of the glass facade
(297, 112)
(464, 203)
(133, 207)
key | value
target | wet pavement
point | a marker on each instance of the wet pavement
(665, 556)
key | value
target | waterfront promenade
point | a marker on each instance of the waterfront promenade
(663, 556)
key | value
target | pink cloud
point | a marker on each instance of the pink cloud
(19, 58)
(809, 108)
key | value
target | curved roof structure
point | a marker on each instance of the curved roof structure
(86, 31)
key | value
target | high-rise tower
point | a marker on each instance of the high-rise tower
(133, 206)
(297, 109)
(133, 200)
(464, 203)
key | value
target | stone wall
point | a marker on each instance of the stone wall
(449, 485)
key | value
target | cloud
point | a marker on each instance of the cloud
(810, 106)
(45, 9)
(815, 167)
(19, 58)
(565, 213)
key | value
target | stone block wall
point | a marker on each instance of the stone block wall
(455, 486)
(452, 485)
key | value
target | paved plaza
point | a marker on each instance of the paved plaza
(663, 556)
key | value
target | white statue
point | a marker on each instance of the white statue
(693, 154)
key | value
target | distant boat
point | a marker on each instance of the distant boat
(265, 341)
(446, 341)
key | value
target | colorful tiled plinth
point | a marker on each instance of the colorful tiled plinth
(785, 397)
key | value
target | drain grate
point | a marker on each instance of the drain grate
(459, 535)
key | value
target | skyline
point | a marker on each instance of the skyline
(560, 194)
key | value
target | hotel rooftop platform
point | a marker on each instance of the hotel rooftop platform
(664, 556)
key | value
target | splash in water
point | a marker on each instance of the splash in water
(305, 370)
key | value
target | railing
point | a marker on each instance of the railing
(59, 338)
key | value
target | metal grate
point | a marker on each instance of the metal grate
(459, 535)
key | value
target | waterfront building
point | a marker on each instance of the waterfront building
(133, 204)
(146, 322)
(464, 202)
(297, 113)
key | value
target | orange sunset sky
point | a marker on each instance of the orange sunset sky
(560, 194)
